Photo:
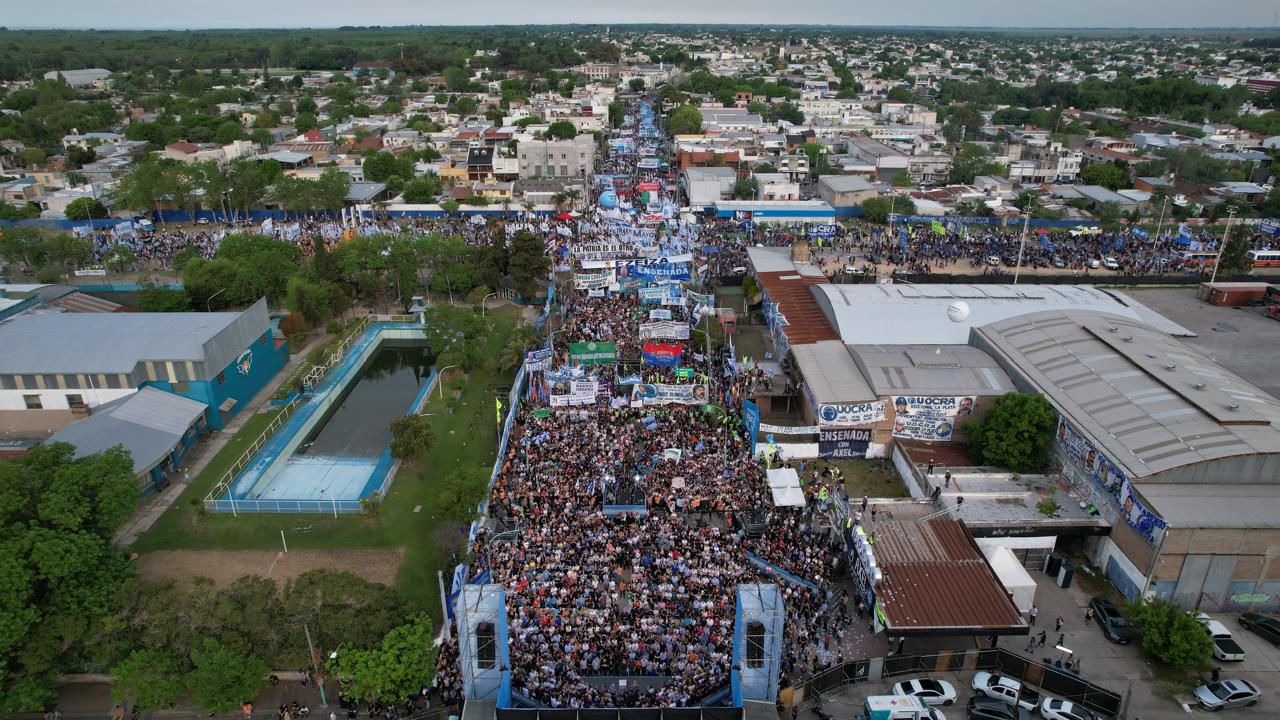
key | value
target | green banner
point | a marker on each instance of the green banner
(593, 353)
(684, 373)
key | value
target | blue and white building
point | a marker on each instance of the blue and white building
(56, 368)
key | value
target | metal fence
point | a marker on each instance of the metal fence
(1005, 278)
(686, 713)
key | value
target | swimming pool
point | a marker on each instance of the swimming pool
(332, 452)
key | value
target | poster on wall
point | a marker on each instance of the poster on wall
(851, 413)
(1104, 473)
(1149, 525)
(929, 417)
(843, 443)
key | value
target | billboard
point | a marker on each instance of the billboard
(851, 413)
(929, 417)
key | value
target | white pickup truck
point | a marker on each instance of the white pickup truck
(1225, 647)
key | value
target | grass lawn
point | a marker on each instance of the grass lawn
(466, 437)
(873, 478)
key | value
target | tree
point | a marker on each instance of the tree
(85, 208)
(902, 179)
(449, 206)
(119, 258)
(382, 165)
(60, 567)
(745, 189)
(221, 678)
(1108, 214)
(685, 120)
(309, 298)
(616, 114)
(561, 130)
(461, 491)
(399, 666)
(423, 190)
(1105, 174)
(817, 157)
(529, 263)
(1232, 261)
(411, 436)
(456, 79)
(877, 209)
(1016, 433)
(1170, 635)
(636, 84)
(305, 121)
(971, 161)
(521, 339)
(161, 299)
(151, 678)
(228, 132)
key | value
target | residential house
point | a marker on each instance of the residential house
(841, 191)
(557, 158)
(705, 186)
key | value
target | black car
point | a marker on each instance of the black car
(1114, 628)
(985, 708)
(1264, 625)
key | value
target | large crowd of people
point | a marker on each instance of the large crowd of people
(629, 516)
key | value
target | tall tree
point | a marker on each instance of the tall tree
(58, 564)
(402, 664)
(1016, 433)
(221, 678)
(529, 262)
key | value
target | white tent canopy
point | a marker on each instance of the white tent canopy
(1013, 575)
(784, 483)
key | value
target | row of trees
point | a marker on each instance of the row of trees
(241, 187)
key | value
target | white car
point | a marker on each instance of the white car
(1006, 689)
(1110, 263)
(1055, 709)
(932, 692)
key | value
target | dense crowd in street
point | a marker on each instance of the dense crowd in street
(647, 590)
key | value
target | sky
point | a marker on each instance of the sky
(180, 14)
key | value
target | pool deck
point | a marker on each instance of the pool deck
(276, 473)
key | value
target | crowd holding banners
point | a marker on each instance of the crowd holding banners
(648, 593)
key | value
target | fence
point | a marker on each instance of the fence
(211, 501)
(1043, 675)
(673, 713)
(1004, 278)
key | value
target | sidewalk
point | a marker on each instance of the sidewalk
(154, 505)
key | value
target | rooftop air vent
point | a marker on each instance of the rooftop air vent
(1127, 338)
(1169, 366)
(1198, 386)
(1233, 406)
(1112, 328)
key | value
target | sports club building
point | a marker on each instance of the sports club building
(58, 369)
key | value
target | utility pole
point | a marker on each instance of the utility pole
(1026, 223)
(315, 666)
(1231, 216)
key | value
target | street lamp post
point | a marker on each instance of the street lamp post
(440, 380)
(482, 305)
(208, 303)
(1231, 216)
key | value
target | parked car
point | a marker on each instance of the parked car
(1004, 689)
(1266, 626)
(1225, 647)
(1114, 628)
(853, 270)
(932, 692)
(1055, 709)
(1227, 693)
(985, 708)
(1110, 263)
(202, 221)
(1094, 263)
(993, 259)
(1058, 262)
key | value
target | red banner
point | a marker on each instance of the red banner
(664, 354)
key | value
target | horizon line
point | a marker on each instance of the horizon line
(1060, 28)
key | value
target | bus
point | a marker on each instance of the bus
(1198, 258)
(1263, 258)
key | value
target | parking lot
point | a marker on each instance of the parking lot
(1119, 668)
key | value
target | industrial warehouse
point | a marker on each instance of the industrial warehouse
(1173, 461)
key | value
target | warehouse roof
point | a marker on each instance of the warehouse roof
(1214, 505)
(1151, 403)
(845, 183)
(937, 581)
(149, 424)
(790, 290)
(778, 259)
(902, 313)
(930, 370)
(830, 373)
(56, 343)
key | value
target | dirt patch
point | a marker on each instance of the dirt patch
(226, 566)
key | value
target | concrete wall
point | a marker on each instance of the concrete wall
(33, 423)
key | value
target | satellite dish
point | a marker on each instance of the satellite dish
(958, 311)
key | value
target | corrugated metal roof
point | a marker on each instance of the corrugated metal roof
(148, 423)
(906, 314)
(1152, 403)
(830, 373)
(936, 577)
(117, 342)
(78, 302)
(930, 370)
(790, 290)
(1214, 505)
